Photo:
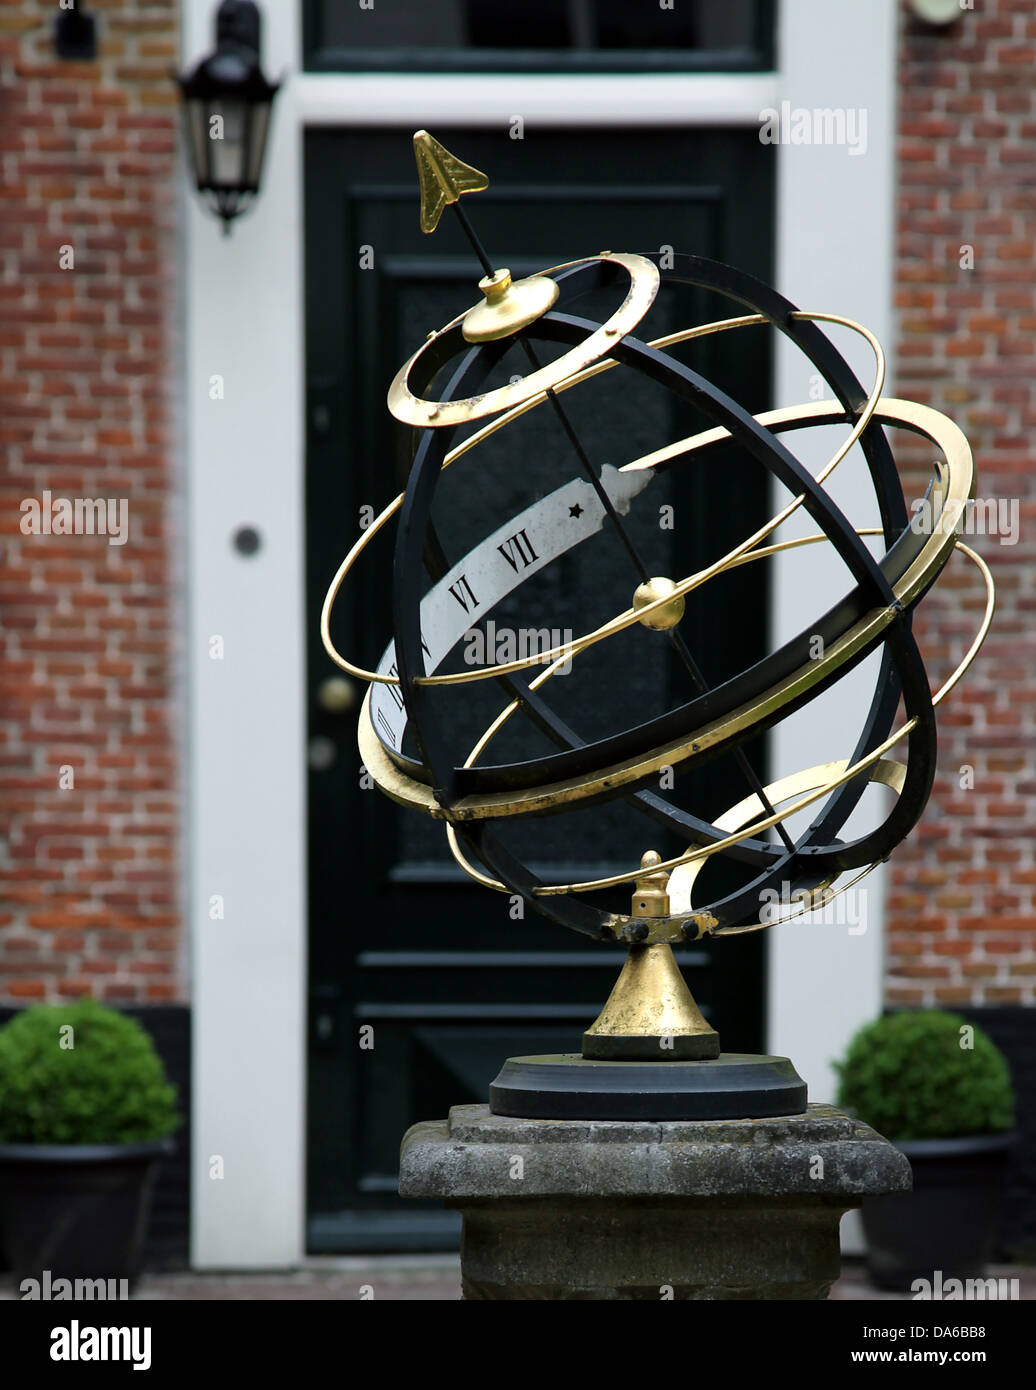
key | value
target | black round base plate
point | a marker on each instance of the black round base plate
(566, 1086)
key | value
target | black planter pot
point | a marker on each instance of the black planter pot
(78, 1210)
(948, 1222)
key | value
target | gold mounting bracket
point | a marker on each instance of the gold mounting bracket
(650, 1015)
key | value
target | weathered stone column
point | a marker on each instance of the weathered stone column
(617, 1209)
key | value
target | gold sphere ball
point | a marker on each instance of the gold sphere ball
(669, 614)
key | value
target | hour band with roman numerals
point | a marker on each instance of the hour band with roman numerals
(493, 569)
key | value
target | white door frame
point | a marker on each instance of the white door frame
(244, 465)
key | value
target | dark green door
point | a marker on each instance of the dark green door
(404, 952)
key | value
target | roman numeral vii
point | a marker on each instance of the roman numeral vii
(518, 550)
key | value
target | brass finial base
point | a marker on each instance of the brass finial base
(509, 305)
(650, 1015)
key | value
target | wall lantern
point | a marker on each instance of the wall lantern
(226, 106)
(75, 33)
(940, 12)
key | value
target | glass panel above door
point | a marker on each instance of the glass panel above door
(539, 36)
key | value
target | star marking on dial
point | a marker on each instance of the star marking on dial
(576, 511)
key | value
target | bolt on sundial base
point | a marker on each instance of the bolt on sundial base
(651, 1054)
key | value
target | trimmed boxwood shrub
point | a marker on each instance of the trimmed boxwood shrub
(911, 1075)
(81, 1073)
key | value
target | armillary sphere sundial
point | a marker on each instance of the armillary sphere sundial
(651, 1052)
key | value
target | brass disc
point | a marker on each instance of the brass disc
(415, 410)
(508, 306)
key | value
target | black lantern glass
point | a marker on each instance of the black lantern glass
(226, 107)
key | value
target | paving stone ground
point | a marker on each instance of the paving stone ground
(429, 1278)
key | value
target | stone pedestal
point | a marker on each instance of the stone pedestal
(617, 1209)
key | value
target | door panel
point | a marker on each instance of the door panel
(400, 941)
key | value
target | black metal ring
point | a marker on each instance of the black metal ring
(901, 657)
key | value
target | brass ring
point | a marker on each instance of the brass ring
(629, 616)
(954, 482)
(696, 856)
(888, 772)
(415, 410)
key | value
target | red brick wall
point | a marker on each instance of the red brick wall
(962, 916)
(90, 883)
